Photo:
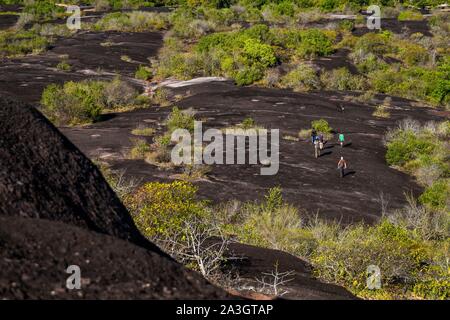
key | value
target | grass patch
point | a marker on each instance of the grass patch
(143, 131)
(64, 66)
(409, 15)
(381, 111)
(305, 133)
(139, 149)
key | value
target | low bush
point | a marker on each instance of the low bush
(377, 44)
(118, 93)
(381, 111)
(83, 102)
(180, 119)
(161, 209)
(22, 43)
(73, 103)
(139, 149)
(342, 79)
(64, 66)
(313, 43)
(161, 97)
(437, 195)
(412, 54)
(143, 73)
(407, 146)
(302, 78)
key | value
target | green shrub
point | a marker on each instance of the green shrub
(269, 224)
(381, 112)
(183, 66)
(143, 73)
(160, 210)
(373, 43)
(302, 78)
(248, 75)
(248, 123)
(346, 25)
(273, 199)
(328, 5)
(321, 125)
(437, 195)
(342, 79)
(414, 83)
(64, 66)
(259, 54)
(117, 93)
(139, 149)
(313, 43)
(413, 54)
(371, 63)
(73, 103)
(83, 102)
(179, 119)
(406, 146)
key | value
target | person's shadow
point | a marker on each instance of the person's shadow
(349, 172)
(325, 153)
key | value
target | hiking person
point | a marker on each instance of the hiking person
(313, 136)
(342, 165)
(321, 137)
(320, 144)
(341, 139)
(316, 148)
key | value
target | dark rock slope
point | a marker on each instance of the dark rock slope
(43, 175)
(57, 210)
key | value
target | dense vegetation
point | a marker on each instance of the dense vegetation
(410, 246)
(206, 41)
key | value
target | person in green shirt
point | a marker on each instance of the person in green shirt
(341, 139)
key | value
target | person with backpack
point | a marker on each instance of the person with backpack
(341, 139)
(313, 136)
(342, 165)
(316, 148)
